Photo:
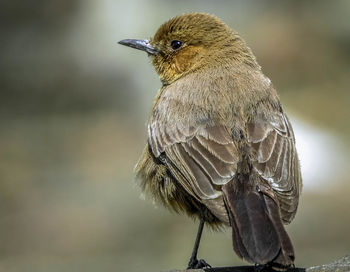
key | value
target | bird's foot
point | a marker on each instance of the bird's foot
(262, 268)
(197, 264)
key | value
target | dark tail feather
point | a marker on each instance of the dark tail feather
(257, 231)
(286, 256)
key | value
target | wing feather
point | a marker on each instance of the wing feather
(274, 157)
(202, 159)
(264, 151)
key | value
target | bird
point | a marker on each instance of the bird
(220, 147)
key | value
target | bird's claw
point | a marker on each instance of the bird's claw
(261, 268)
(197, 264)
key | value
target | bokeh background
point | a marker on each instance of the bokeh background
(73, 108)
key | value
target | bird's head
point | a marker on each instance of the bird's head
(190, 42)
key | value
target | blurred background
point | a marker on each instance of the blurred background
(73, 109)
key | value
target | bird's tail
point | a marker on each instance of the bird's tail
(257, 231)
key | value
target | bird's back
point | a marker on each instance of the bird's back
(179, 118)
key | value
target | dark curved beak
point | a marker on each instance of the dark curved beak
(143, 45)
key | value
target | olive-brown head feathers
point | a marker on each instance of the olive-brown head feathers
(193, 41)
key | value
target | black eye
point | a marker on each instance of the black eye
(176, 44)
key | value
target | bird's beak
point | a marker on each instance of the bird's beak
(143, 45)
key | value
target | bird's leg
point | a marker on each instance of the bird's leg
(194, 263)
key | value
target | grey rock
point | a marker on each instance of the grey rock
(341, 265)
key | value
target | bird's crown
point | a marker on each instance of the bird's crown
(193, 41)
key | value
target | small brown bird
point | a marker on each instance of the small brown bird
(220, 146)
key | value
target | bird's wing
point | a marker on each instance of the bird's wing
(275, 158)
(201, 159)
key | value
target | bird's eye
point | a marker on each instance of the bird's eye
(176, 44)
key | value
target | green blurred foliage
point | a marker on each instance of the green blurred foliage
(73, 107)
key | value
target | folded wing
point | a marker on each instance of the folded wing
(274, 157)
(201, 159)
